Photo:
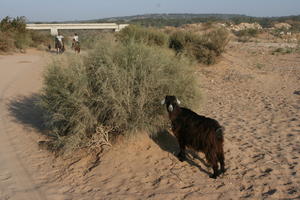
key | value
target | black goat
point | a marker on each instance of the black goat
(197, 132)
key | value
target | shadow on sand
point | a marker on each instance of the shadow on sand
(25, 110)
(168, 143)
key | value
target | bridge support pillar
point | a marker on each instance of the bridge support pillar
(54, 31)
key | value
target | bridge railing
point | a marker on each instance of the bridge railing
(55, 27)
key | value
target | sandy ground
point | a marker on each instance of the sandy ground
(25, 171)
(254, 94)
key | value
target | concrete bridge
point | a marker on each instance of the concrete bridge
(91, 26)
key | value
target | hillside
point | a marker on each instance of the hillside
(178, 19)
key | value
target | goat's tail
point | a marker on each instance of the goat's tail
(220, 132)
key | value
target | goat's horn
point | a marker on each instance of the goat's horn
(177, 101)
(163, 102)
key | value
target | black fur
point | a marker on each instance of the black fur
(197, 132)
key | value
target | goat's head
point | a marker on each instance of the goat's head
(171, 102)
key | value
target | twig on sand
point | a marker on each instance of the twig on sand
(173, 166)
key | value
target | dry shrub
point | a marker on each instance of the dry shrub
(101, 138)
(6, 42)
(217, 40)
(13, 35)
(22, 40)
(88, 40)
(40, 38)
(149, 36)
(286, 50)
(116, 85)
(249, 32)
(204, 48)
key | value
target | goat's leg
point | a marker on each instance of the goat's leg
(181, 154)
(211, 158)
(221, 160)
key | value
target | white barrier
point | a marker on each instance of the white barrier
(91, 26)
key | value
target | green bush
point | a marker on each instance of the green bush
(217, 40)
(6, 42)
(149, 36)
(90, 40)
(286, 50)
(244, 39)
(204, 48)
(40, 38)
(204, 54)
(22, 40)
(250, 32)
(118, 86)
(13, 35)
(178, 41)
(17, 24)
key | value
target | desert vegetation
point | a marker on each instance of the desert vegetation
(177, 20)
(13, 35)
(203, 48)
(148, 36)
(246, 34)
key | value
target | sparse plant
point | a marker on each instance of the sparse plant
(259, 66)
(298, 47)
(101, 138)
(89, 39)
(208, 25)
(244, 39)
(289, 50)
(286, 50)
(249, 32)
(13, 35)
(6, 42)
(149, 36)
(204, 48)
(40, 38)
(217, 40)
(22, 40)
(17, 24)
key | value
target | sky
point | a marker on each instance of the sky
(65, 10)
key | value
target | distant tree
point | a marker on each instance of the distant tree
(17, 24)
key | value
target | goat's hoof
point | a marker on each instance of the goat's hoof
(181, 158)
(223, 171)
(214, 176)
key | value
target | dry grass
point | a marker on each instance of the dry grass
(148, 36)
(204, 48)
(13, 35)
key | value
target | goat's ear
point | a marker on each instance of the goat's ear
(177, 101)
(163, 102)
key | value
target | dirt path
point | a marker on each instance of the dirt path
(15, 179)
(25, 171)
